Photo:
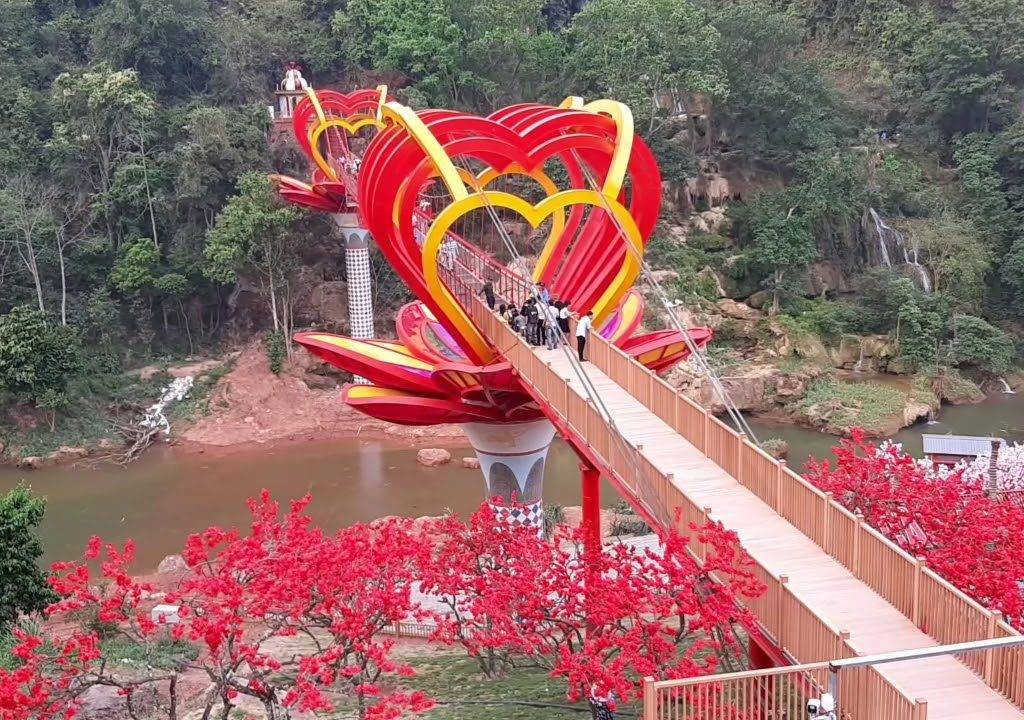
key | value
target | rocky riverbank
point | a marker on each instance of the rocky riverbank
(770, 366)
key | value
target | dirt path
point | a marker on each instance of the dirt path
(252, 405)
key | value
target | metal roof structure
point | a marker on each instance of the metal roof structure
(966, 445)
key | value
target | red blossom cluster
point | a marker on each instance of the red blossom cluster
(294, 618)
(970, 539)
(602, 625)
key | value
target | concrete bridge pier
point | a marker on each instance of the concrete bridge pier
(512, 459)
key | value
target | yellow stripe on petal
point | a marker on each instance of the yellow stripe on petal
(375, 351)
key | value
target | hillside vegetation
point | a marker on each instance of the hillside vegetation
(852, 169)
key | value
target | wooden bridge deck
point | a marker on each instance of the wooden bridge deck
(827, 588)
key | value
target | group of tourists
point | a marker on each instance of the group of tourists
(541, 320)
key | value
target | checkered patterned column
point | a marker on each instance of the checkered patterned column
(512, 458)
(360, 290)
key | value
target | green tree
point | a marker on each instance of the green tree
(417, 38)
(781, 242)
(956, 255)
(37, 359)
(979, 344)
(646, 52)
(103, 119)
(134, 268)
(166, 41)
(23, 586)
(953, 66)
(779, 101)
(254, 234)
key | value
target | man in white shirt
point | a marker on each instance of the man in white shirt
(582, 328)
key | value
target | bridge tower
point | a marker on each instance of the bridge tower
(357, 269)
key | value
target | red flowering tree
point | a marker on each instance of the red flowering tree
(968, 538)
(285, 614)
(513, 599)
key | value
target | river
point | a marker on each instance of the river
(159, 499)
(166, 494)
(1001, 415)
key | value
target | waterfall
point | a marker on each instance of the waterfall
(882, 230)
(887, 235)
(178, 390)
(1007, 390)
(859, 365)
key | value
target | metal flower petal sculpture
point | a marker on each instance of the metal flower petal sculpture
(419, 184)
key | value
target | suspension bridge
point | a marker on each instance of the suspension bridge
(437, 190)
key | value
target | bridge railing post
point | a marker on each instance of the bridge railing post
(740, 448)
(783, 582)
(916, 601)
(650, 699)
(990, 654)
(858, 530)
(780, 471)
(826, 507)
(920, 709)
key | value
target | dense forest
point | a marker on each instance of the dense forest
(134, 212)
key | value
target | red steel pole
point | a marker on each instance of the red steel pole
(591, 511)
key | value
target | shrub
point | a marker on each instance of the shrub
(277, 350)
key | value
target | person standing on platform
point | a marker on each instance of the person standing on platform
(551, 334)
(582, 331)
(563, 316)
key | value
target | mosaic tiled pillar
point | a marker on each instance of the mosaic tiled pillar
(357, 268)
(512, 458)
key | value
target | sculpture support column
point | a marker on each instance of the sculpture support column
(512, 459)
(357, 269)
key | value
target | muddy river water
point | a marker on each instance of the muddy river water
(167, 494)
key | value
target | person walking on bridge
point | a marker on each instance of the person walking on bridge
(488, 292)
(582, 330)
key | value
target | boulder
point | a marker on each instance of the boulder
(915, 410)
(823, 277)
(737, 310)
(665, 277)
(172, 564)
(66, 453)
(471, 463)
(708, 275)
(751, 387)
(791, 386)
(811, 348)
(759, 299)
(105, 702)
(31, 462)
(433, 457)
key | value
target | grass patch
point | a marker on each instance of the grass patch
(448, 675)
(163, 654)
(840, 405)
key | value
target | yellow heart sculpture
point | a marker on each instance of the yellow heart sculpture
(351, 125)
(535, 215)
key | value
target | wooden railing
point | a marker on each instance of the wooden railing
(933, 604)
(783, 615)
(930, 602)
(778, 693)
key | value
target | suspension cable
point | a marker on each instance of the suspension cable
(574, 363)
(737, 417)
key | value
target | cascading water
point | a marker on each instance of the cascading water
(859, 365)
(1007, 390)
(890, 236)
